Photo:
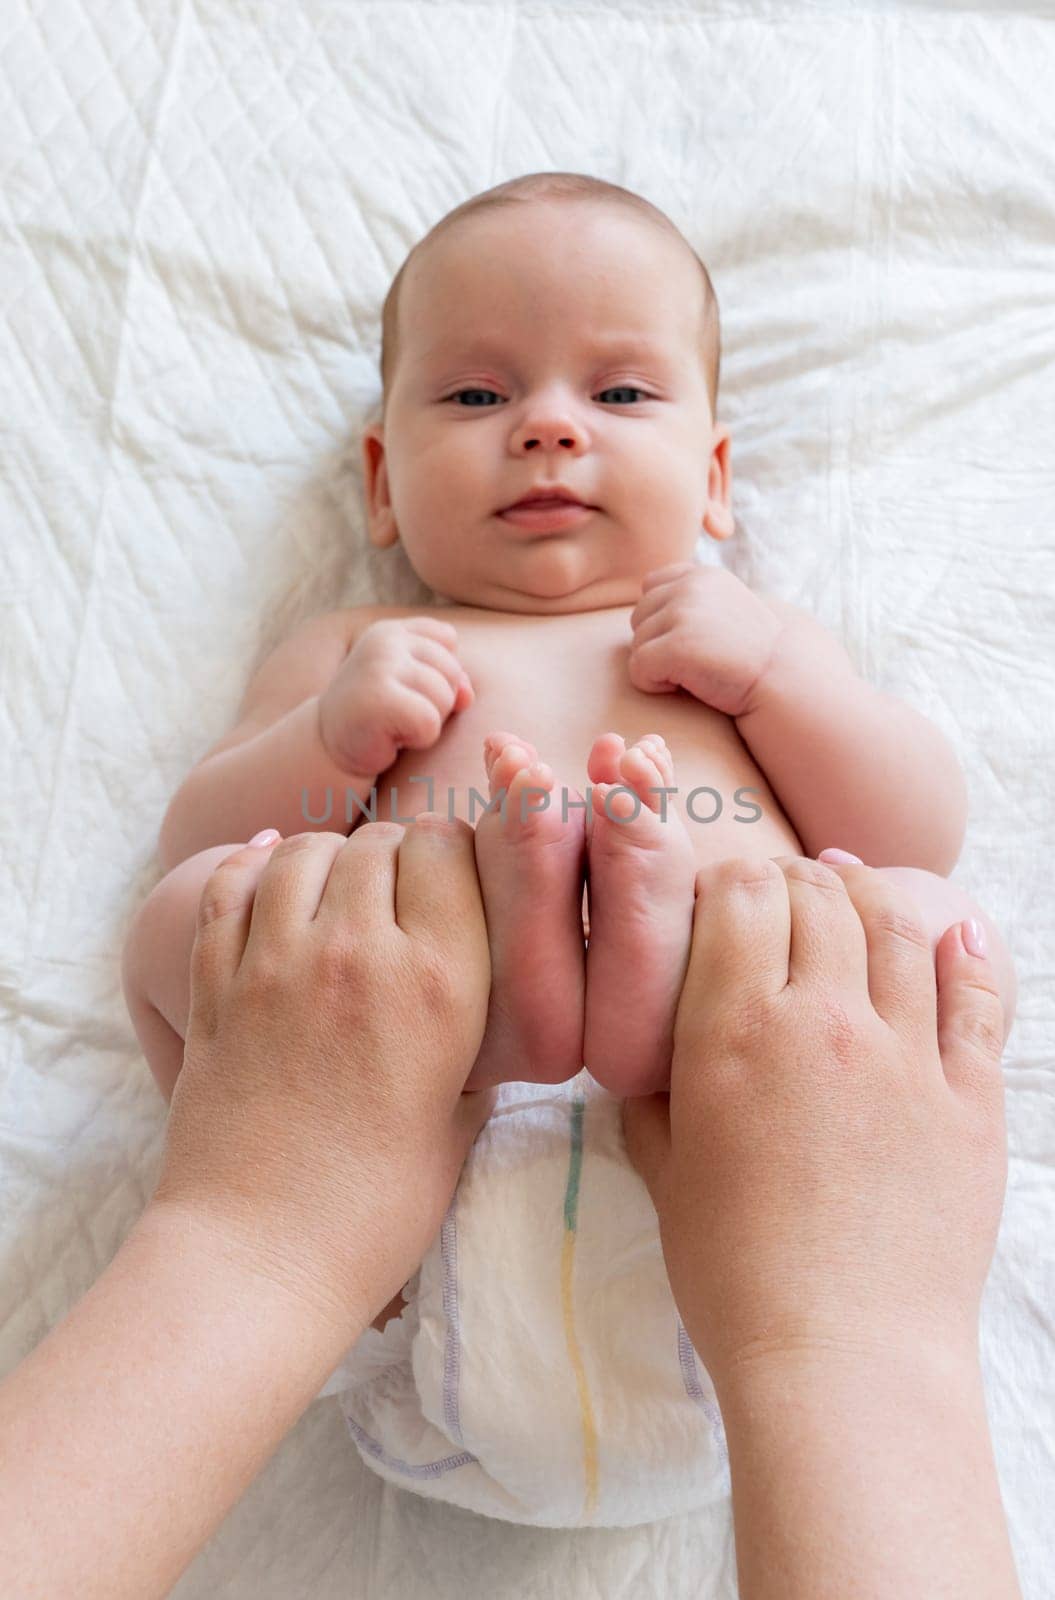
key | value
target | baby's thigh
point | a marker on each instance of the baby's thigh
(942, 903)
(156, 962)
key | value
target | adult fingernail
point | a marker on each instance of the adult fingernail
(973, 935)
(840, 855)
(265, 837)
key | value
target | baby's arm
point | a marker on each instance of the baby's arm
(850, 765)
(255, 776)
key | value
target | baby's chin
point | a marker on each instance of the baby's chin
(541, 598)
(542, 588)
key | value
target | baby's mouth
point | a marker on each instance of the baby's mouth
(547, 516)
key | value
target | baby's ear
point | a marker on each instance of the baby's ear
(381, 530)
(719, 524)
(380, 522)
(718, 517)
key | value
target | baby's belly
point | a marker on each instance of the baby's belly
(721, 796)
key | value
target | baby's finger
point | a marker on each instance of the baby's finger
(666, 574)
(900, 964)
(647, 606)
(288, 894)
(225, 909)
(417, 723)
(433, 628)
(436, 655)
(651, 627)
(435, 685)
(828, 944)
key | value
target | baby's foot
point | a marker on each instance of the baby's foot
(642, 879)
(530, 866)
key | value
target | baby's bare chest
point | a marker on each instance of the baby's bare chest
(558, 682)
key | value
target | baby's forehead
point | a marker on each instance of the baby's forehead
(626, 264)
(488, 288)
(444, 320)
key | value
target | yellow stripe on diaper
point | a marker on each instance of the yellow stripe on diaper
(571, 1212)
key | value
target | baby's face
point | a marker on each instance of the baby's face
(548, 344)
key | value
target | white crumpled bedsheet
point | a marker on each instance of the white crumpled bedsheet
(203, 203)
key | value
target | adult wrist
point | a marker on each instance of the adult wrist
(245, 1267)
(867, 1470)
(816, 1368)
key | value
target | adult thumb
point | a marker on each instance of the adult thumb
(646, 1129)
(970, 1015)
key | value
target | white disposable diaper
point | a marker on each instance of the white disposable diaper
(540, 1372)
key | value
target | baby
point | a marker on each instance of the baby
(548, 455)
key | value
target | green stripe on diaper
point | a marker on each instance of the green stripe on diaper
(571, 1195)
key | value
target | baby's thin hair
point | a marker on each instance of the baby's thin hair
(568, 186)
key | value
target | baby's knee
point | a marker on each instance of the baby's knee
(157, 948)
(942, 903)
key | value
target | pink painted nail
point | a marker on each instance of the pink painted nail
(265, 837)
(973, 935)
(832, 854)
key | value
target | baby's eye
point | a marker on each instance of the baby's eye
(624, 388)
(457, 395)
(618, 389)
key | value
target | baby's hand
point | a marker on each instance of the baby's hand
(701, 629)
(395, 690)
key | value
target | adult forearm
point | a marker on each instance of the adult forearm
(134, 1427)
(872, 1477)
(281, 778)
(854, 767)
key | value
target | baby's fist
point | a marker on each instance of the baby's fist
(395, 690)
(702, 630)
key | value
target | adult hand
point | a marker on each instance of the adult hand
(339, 989)
(829, 1166)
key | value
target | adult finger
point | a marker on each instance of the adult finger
(828, 943)
(421, 882)
(438, 889)
(289, 892)
(360, 893)
(741, 930)
(970, 1016)
(225, 910)
(901, 980)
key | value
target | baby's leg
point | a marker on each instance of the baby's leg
(155, 966)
